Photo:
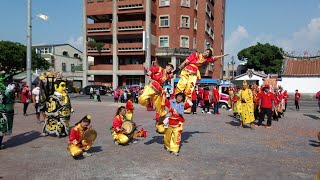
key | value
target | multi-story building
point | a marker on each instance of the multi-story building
(129, 33)
(63, 58)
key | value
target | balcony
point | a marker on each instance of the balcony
(131, 67)
(130, 26)
(101, 67)
(130, 47)
(93, 51)
(98, 27)
(131, 6)
(98, 7)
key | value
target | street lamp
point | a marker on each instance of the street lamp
(29, 43)
(233, 63)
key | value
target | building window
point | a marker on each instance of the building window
(185, 21)
(196, 5)
(163, 41)
(164, 3)
(43, 50)
(184, 41)
(73, 68)
(65, 53)
(164, 21)
(195, 23)
(185, 3)
(76, 55)
(208, 10)
(194, 43)
(64, 67)
(90, 1)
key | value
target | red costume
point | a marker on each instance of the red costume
(158, 77)
(215, 93)
(266, 99)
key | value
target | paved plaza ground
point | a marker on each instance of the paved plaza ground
(213, 147)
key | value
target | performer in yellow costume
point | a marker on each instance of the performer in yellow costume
(247, 107)
(154, 90)
(190, 71)
(77, 144)
(58, 111)
(117, 131)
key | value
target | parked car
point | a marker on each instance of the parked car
(110, 91)
(86, 90)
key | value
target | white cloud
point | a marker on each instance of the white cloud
(76, 42)
(234, 43)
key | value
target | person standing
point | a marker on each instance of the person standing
(116, 96)
(129, 108)
(215, 99)
(25, 98)
(247, 108)
(297, 97)
(206, 97)
(36, 102)
(266, 100)
(194, 102)
(97, 92)
(285, 97)
(91, 92)
(200, 96)
(318, 97)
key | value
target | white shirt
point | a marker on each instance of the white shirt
(36, 92)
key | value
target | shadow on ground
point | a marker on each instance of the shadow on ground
(23, 138)
(314, 143)
(312, 116)
(185, 137)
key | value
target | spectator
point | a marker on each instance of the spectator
(97, 92)
(297, 97)
(266, 100)
(125, 96)
(25, 98)
(285, 97)
(194, 102)
(200, 95)
(206, 96)
(116, 96)
(318, 97)
(36, 102)
(91, 92)
(215, 99)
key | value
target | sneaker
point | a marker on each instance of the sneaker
(209, 112)
(134, 142)
(217, 113)
(44, 134)
(175, 153)
(256, 125)
(268, 127)
(86, 154)
(116, 143)
(202, 111)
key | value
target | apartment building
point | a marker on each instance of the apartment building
(123, 34)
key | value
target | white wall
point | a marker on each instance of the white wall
(303, 84)
(254, 77)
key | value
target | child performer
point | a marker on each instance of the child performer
(77, 144)
(174, 124)
(129, 108)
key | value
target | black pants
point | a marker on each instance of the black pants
(206, 106)
(91, 96)
(194, 106)
(25, 107)
(297, 105)
(263, 112)
(285, 106)
(1, 138)
(98, 98)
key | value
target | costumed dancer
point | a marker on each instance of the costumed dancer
(247, 109)
(174, 124)
(58, 111)
(155, 91)
(129, 108)
(123, 131)
(7, 96)
(277, 110)
(237, 102)
(255, 92)
(78, 144)
(190, 71)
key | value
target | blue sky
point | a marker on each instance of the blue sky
(291, 24)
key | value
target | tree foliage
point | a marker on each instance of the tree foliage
(13, 58)
(262, 57)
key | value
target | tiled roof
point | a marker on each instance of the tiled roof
(302, 67)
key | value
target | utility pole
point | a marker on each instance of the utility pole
(148, 36)
(115, 64)
(232, 62)
(29, 42)
(84, 55)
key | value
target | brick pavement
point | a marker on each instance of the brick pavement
(213, 147)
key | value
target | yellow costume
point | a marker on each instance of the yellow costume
(76, 142)
(117, 132)
(247, 107)
(172, 137)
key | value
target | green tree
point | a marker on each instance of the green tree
(262, 57)
(13, 58)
